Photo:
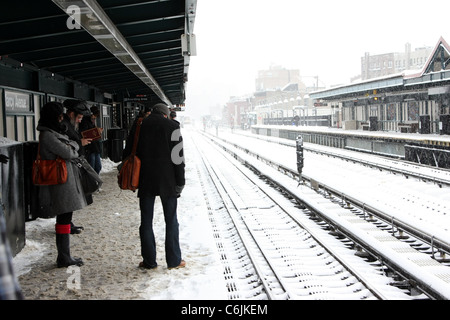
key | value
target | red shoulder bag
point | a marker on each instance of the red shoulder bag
(128, 177)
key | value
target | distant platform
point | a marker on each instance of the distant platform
(429, 149)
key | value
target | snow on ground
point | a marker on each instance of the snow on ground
(410, 200)
(110, 248)
(110, 244)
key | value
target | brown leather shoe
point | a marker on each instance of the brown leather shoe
(181, 265)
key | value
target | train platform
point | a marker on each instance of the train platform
(432, 139)
(110, 249)
(431, 149)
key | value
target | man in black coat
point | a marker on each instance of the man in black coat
(75, 111)
(160, 149)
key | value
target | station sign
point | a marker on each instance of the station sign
(16, 102)
(137, 98)
(179, 107)
(320, 104)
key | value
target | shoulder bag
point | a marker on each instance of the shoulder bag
(48, 172)
(90, 180)
(129, 170)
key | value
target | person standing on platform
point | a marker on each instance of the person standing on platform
(9, 286)
(173, 116)
(160, 149)
(60, 200)
(94, 149)
(130, 138)
(75, 111)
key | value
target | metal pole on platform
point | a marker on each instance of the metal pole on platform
(299, 151)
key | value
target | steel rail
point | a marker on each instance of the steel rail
(219, 184)
(406, 173)
(376, 293)
(425, 287)
(430, 239)
(403, 172)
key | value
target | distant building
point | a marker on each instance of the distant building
(280, 93)
(236, 110)
(408, 101)
(277, 78)
(381, 65)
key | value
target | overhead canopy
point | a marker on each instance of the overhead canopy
(130, 47)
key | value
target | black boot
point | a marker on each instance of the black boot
(75, 229)
(63, 245)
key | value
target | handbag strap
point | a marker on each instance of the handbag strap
(136, 135)
(38, 156)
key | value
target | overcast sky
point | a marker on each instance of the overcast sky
(324, 38)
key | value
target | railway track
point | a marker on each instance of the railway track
(438, 176)
(345, 228)
(282, 256)
(438, 248)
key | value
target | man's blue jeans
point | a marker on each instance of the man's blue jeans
(95, 161)
(148, 245)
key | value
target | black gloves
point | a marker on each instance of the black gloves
(178, 190)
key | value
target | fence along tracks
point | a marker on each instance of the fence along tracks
(289, 257)
(418, 270)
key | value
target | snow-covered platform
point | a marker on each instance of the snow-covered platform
(110, 249)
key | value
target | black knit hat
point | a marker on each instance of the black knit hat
(50, 114)
(95, 111)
